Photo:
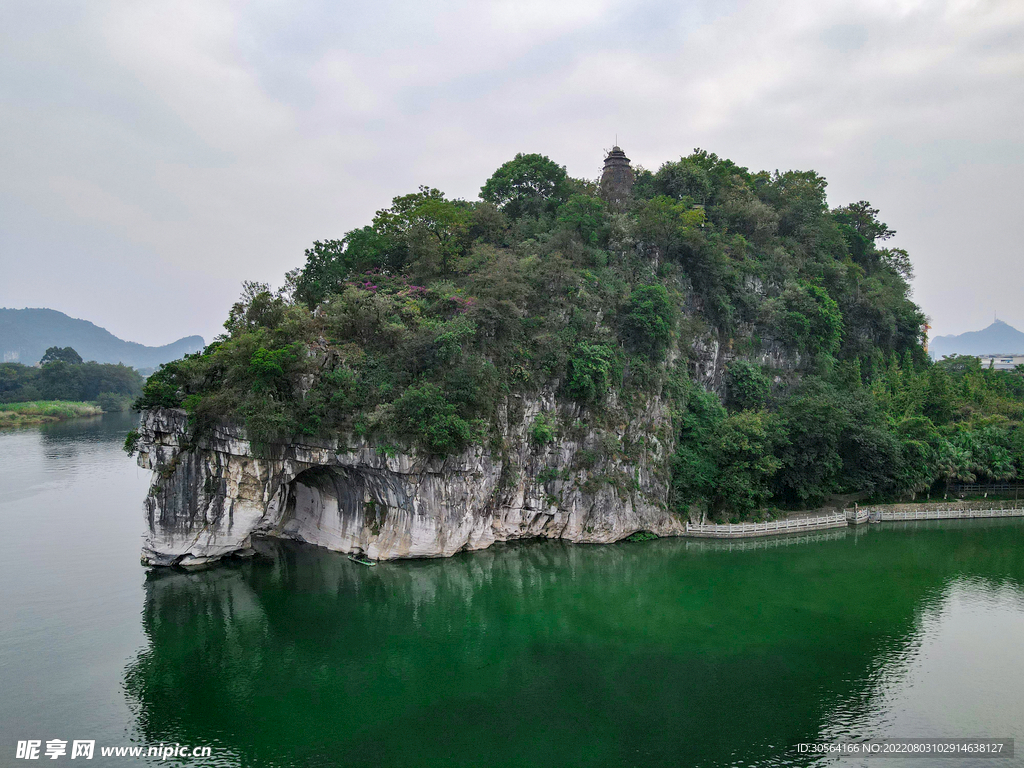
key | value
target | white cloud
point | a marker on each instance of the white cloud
(217, 139)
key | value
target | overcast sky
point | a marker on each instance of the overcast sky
(155, 154)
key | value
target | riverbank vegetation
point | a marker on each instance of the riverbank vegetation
(64, 376)
(779, 332)
(42, 412)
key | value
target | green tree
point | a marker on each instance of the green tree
(684, 180)
(588, 376)
(329, 264)
(959, 364)
(743, 446)
(665, 223)
(529, 184)
(694, 464)
(699, 178)
(807, 317)
(939, 402)
(427, 216)
(814, 419)
(111, 402)
(19, 383)
(61, 381)
(97, 378)
(837, 441)
(954, 463)
(897, 260)
(584, 216)
(543, 430)
(257, 307)
(425, 415)
(863, 219)
(799, 199)
(269, 369)
(648, 320)
(747, 385)
(61, 354)
(489, 224)
(920, 445)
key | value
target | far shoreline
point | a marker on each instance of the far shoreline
(13, 415)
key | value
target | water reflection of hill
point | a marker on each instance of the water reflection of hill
(64, 440)
(544, 653)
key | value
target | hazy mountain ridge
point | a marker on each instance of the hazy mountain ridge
(998, 339)
(25, 334)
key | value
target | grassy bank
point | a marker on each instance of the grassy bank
(44, 411)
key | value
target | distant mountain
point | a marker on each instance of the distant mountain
(998, 339)
(25, 334)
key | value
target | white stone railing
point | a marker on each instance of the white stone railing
(944, 506)
(769, 528)
(857, 516)
(949, 511)
(950, 514)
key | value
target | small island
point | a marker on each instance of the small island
(575, 359)
(62, 387)
(44, 412)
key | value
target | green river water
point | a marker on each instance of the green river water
(664, 653)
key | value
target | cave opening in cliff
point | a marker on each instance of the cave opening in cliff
(333, 507)
(317, 490)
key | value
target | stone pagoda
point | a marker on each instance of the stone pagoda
(616, 180)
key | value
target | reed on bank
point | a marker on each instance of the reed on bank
(44, 411)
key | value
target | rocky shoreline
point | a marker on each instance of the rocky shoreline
(209, 499)
(212, 498)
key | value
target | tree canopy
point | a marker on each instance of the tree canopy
(63, 376)
(527, 185)
(61, 355)
(779, 334)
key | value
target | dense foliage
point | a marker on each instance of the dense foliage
(425, 326)
(63, 376)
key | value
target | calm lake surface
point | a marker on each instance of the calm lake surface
(666, 653)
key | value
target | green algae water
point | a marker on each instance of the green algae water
(664, 653)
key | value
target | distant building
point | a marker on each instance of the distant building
(616, 187)
(1001, 362)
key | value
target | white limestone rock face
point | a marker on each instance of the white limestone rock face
(211, 498)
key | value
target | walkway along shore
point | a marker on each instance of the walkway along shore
(857, 516)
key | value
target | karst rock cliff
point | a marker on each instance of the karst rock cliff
(211, 495)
